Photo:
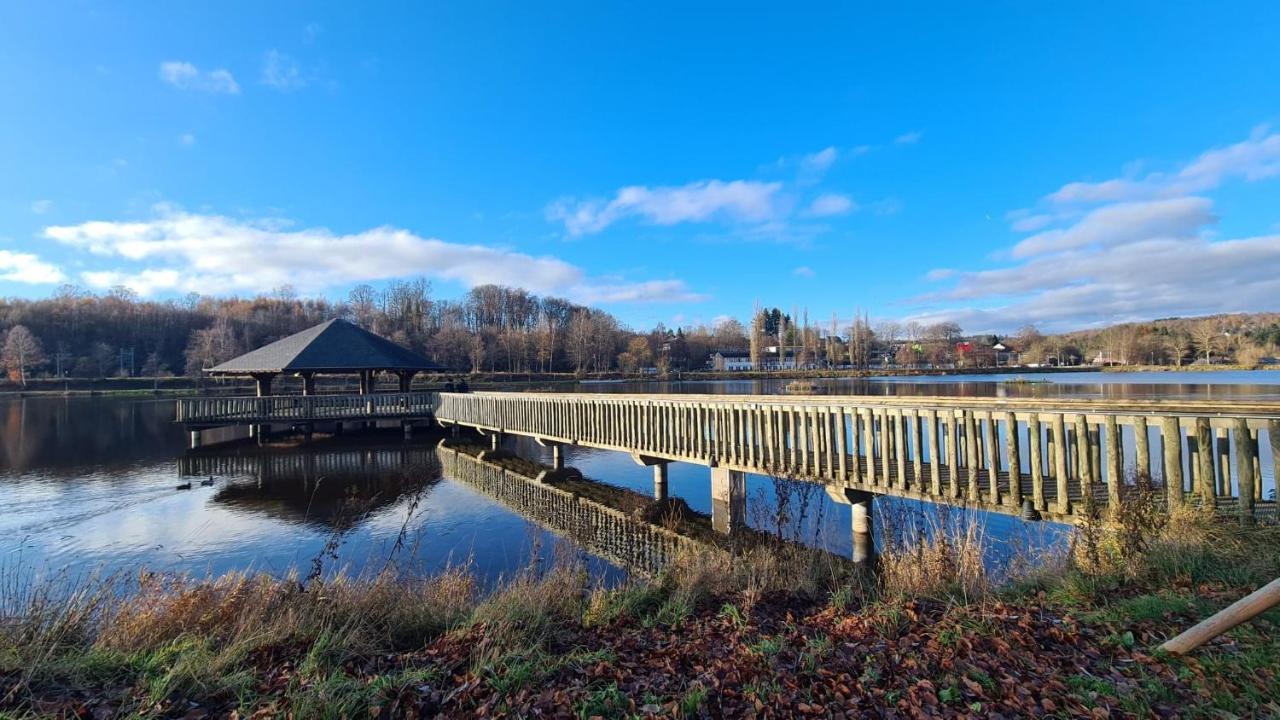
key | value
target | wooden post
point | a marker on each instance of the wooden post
(1223, 450)
(1014, 458)
(1085, 466)
(1171, 439)
(1035, 459)
(1244, 468)
(1141, 446)
(1115, 464)
(1060, 450)
(1204, 462)
(993, 460)
(953, 453)
(972, 446)
(935, 461)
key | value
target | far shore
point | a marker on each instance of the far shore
(179, 386)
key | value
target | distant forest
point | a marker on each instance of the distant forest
(492, 328)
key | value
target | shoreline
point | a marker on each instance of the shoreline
(177, 387)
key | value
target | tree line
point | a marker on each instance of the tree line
(492, 328)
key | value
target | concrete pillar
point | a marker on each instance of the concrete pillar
(260, 432)
(308, 383)
(337, 428)
(728, 499)
(408, 431)
(660, 481)
(195, 439)
(495, 439)
(307, 431)
(863, 546)
(557, 457)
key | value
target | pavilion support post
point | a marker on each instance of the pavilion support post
(308, 383)
(263, 383)
(406, 380)
(728, 499)
(366, 382)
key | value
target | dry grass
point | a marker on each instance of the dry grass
(940, 555)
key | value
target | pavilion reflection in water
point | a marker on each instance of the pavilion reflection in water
(317, 485)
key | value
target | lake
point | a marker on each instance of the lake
(89, 484)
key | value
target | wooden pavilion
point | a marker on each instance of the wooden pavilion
(336, 347)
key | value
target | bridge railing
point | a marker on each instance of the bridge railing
(1065, 456)
(299, 408)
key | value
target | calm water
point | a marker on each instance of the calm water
(89, 484)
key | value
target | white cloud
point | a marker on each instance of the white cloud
(804, 271)
(187, 139)
(1124, 222)
(829, 204)
(909, 138)
(182, 252)
(737, 200)
(185, 76)
(1138, 281)
(41, 207)
(1255, 158)
(28, 268)
(820, 161)
(280, 71)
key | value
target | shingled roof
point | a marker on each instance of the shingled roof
(336, 346)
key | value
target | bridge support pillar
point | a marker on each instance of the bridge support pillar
(864, 549)
(408, 430)
(195, 439)
(660, 481)
(728, 499)
(495, 440)
(557, 452)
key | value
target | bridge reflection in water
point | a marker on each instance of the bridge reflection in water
(328, 486)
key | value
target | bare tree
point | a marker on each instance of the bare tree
(22, 350)
(1205, 335)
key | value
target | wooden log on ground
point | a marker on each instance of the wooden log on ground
(1239, 612)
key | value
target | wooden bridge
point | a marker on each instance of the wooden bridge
(1062, 459)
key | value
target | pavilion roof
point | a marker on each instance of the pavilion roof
(336, 346)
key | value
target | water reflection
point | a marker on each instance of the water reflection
(325, 486)
(1190, 385)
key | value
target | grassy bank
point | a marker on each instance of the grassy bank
(775, 631)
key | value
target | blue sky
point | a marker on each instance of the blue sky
(1067, 164)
